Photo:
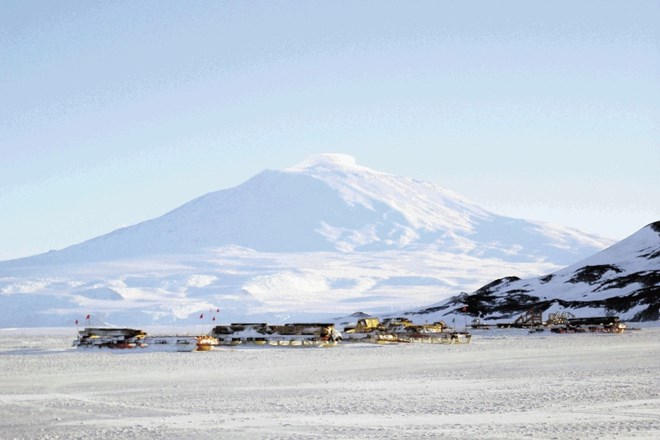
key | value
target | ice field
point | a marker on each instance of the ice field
(504, 385)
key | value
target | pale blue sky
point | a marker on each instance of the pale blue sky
(116, 112)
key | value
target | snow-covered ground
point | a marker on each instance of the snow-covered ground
(504, 385)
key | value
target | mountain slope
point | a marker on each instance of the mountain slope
(622, 280)
(329, 203)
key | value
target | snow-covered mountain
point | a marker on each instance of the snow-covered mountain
(330, 203)
(326, 235)
(622, 280)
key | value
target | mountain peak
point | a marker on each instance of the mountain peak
(327, 160)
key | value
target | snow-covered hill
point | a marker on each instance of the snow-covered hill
(622, 280)
(326, 235)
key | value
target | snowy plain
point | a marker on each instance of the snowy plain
(506, 384)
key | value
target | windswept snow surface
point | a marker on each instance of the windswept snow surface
(504, 385)
(325, 236)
